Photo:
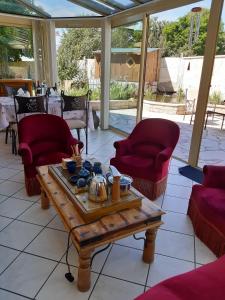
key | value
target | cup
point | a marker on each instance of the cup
(97, 168)
(71, 166)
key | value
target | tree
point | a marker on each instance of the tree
(155, 38)
(76, 44)
(176, 36)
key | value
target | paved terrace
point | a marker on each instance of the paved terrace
(213, 142)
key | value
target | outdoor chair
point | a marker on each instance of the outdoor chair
(146, 153)
(207, 209)
(43, 139)
(70, 104)
(204, 283)
(190, 106)
(24, 106)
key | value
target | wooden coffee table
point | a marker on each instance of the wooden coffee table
(101, 232)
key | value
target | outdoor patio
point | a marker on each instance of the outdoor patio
(33, 241)
(213, 144)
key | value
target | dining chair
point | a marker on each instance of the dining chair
(76, 103)
(25, 106)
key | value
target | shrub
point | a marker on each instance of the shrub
(215, 97)
(180, 95)
(119, 91)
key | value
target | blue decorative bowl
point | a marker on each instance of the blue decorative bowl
(71, 167)
(81, 182)
(84, 173)
(73, 179)
(87, 165)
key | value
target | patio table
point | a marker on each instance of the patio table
(7, 111)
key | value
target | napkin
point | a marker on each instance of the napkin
(20, 92)
(52, 92)
(27, 94)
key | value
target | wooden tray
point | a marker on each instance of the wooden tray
(90, 210)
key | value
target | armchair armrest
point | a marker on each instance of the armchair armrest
(163, 156)
(72, 141)
(214, 176)
(25, 151)
(122, 147)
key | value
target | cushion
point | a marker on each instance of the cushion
(41, 147)
(144, 168)
(50, 158)
(211, 204)
(146, 150)
(74, 102)
(30, 104)
(73, 123)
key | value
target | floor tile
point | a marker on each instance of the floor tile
(112, 288)
(56, 223)
(131, 242)
(18, 234)
(126, 263)
(177, 222)
(8, 188)
(13, 207)
(4, 222)
(98, 261)
(175, 204)
(179, 180)
(58, 288)
(19, 177)
(175, 245)
(36, 215)
(178, 191)
(4, 295)
(7, 255)
(49, 243)
(2, 198)
(203, 254)
(6, 173)
(22, 194)
(165, 267)
(26, 275)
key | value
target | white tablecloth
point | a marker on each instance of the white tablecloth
(7, 112)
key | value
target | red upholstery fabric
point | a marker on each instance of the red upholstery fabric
(207, 209)
(146, 152)
(43, 139)
(204, 283)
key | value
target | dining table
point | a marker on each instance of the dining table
(7, 111)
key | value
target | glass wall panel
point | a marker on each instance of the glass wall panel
(125, 67)
(174, 65)
(16, 53)
(213, 138)
(13, 7)
(78, 65)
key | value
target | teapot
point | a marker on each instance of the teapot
(97, 191)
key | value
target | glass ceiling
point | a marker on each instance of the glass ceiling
(66, 8)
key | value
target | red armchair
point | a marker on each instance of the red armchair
(207, 209)
(146, 153)
(204, 283)
(43, 139)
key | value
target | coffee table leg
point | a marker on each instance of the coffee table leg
(149, 247)
(44, 200)
(84, 271)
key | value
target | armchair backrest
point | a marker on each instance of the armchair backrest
(155, 133)
(43, 133)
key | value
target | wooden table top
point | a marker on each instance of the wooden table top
(107, 229)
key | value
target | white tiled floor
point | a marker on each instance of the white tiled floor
(33, 241)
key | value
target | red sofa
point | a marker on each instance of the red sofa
(43, 139)
(204, 283)
(207, 209)
(146, 153)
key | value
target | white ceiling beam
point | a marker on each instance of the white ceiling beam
(136, 13)
(87, 22)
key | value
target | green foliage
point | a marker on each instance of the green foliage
(149, 94)
(156, 38)
(176, 36)
(123, 37)
(215, 97)
(76, 44)
(180, 95)
(96, 94)
(119, 91)
(77, 91)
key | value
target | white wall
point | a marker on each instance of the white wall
(185, 72)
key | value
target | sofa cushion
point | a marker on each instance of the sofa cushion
(146, 150)
(50, 158)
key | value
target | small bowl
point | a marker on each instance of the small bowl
(81, 182)
(125, 183)
(73, 179)
(84, 173)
